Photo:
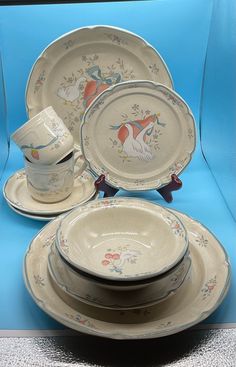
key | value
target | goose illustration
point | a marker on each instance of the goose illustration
(141, 137)
(136, 147)
(131, 146)
(133, 134)
(92, 90)
(127, 256)
(98, 83)
(72, 92)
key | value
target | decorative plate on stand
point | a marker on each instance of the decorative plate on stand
(138, 133)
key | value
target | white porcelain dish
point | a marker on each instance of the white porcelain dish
(122, 239)
(138, 133)
(76, 67)
(16, 194)
(95, 294)
(194, 302)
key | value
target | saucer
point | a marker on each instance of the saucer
(42, 217)
(79, 65)
(194, 302)
(16, 194)
(116, 240)
(138, 133)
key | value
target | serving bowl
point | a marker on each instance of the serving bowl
(124, 242)
(94, 293)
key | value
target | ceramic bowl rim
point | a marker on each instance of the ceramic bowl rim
(131, 280)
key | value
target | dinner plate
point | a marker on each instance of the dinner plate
(16, 194)
(138, 133)
(76, 67)
(195, 301)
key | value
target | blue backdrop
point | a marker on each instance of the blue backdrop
(218, 112)
(179, 29)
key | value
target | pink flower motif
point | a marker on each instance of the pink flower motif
(108, 256)
(211, 287)
(105, 262)
(116, 256)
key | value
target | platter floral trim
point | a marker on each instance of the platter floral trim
(81, 320)
(116, 39)
(208, 287)
(176, 227)
(190, 133)
(68, 44)
(86, 141)
(39, 82)
(137, 134)
(39, 280)
(154, 69)
(49, 240)
(178, 166)
(174, 100)
(201, 241)
(116, 259)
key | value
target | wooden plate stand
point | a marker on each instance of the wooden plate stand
(165, 191)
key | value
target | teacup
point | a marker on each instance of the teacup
(53, 183)
(44, 139)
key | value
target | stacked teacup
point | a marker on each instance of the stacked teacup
(49, 156)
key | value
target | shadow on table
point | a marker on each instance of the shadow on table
(93, 351)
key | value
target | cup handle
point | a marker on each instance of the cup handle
(79, 168)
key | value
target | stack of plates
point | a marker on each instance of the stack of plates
(19, 199)
(73, 271)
